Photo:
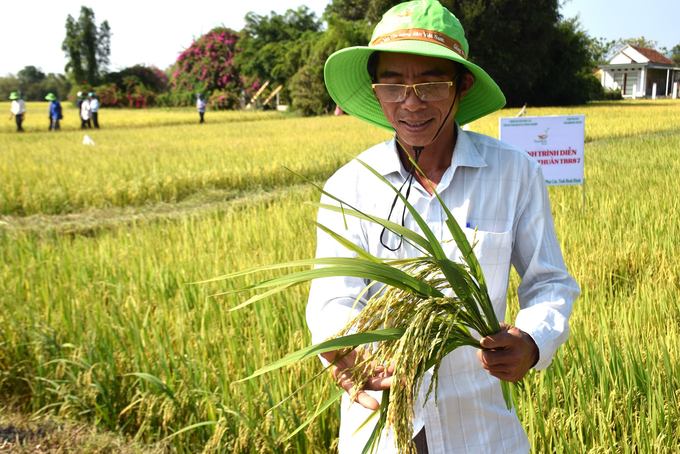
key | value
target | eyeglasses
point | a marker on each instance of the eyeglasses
(426, 92)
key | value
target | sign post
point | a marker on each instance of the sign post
(556, 142)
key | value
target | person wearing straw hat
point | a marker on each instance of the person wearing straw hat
(94, 109)
(415, 80)
(85, 122)
(200, 106)
(54, 112)
(18, 109)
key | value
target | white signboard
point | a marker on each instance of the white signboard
(556, 142)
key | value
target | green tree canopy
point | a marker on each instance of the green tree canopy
(29, 78)
(349, 10)
(675, 55)
(521, 44)
(271, 46)
(87, 47)
(308, 90)
(33, 84)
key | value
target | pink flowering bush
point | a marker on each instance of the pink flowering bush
(207, 66)
(137, 87)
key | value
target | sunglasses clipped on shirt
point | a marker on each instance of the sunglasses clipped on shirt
(426, 92)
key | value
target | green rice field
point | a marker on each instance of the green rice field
(102, 322)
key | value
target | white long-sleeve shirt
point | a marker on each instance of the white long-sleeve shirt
(18, 107)
(500, 190)
(85, 110)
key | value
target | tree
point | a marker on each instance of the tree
(87, 47)
(557, 86)
(640, 42)
(349, 10)
(310, 95)
(270, 46)
(675, 55)
(29, 82)
(601, 50)
(521, 44)
(33, 85)
(207, 66)
(8, 84)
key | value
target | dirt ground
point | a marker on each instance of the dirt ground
(42, 435)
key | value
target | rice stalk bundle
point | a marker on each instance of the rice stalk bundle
(425, 310)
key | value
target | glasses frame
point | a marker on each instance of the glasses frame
(415, 90)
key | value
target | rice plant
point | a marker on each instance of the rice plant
(427, 309)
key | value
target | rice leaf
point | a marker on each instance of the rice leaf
(348, 244)
(337, 343)
(437, 251)
(416, 240)
(264, 295)
(354, 267)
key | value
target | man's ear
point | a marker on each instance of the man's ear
(466, 84)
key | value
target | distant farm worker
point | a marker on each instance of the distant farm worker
(85, 114)
(200, 105)
(18, 110)
(415, 79)
(94, 109)
(54, 113)
(79, 103)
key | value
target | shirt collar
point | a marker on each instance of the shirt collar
(465, 153)
(384, 158)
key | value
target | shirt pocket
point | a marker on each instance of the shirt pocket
(493, 251)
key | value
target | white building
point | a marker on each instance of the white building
(635, 71)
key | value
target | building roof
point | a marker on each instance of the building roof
(653, 56)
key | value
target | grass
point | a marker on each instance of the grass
(57, 174)
(98, 321)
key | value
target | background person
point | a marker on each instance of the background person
(85, 114)
(414, 79)
(18, 109)
(54, 112)
(79, 104)
(200, 105)
(94, 109)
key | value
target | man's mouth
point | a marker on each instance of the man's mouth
(416, 125)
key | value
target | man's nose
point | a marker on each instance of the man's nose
(412, 100)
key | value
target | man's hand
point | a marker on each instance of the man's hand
(380, 378)
(512, 353)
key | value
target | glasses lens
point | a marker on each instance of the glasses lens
(435, 91)
(389, 92)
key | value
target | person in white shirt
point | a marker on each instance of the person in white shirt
(85, 114)
(18, 110)
(415, 79)
(200, 106)
(94, 109)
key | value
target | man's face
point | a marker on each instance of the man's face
(416, 122)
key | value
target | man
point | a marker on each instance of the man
(79, 104)
(415, 79)
(54, 112)
(85, 113)
(94, 109)
(18, 109)
(200, 106)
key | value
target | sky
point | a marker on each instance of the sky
(154, 33)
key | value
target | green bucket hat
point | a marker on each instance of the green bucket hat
(14, 95)
(422, 27)
(51, 97)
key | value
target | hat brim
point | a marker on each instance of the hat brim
(349, 83)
